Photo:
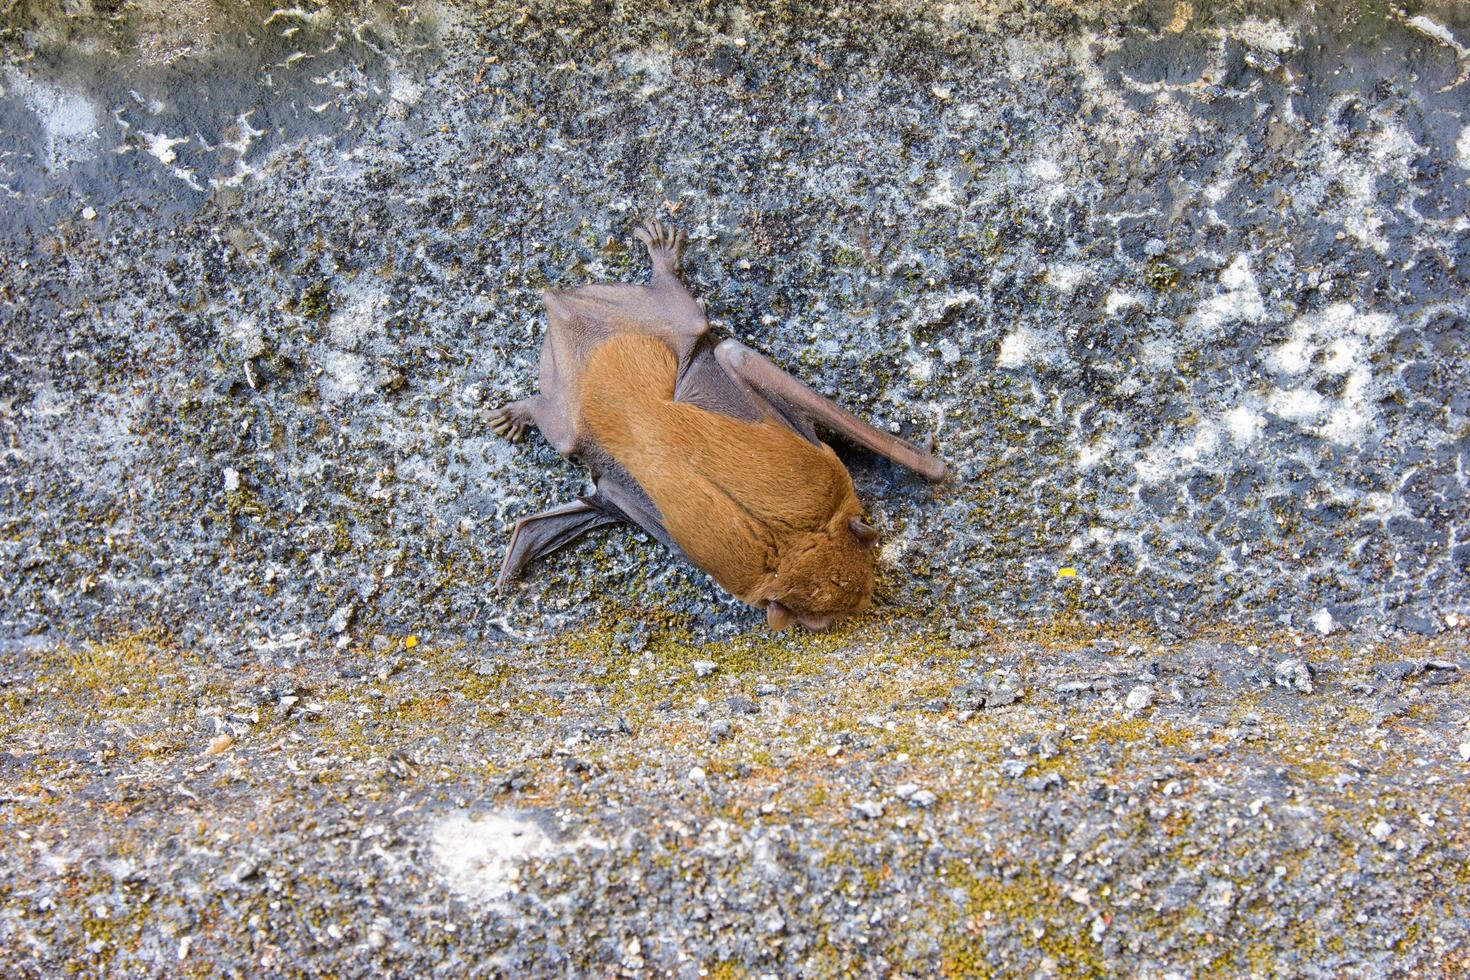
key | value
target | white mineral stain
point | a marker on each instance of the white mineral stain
(162, 145)
(358, 317)
(404, 90)
(68, 120)
(1043, 169)
(1322, 621)
(345, 374)
(1067, 276)
(1462, 147)
(296, 13)
(1344, 184)
(1244, 424)
(154, 106)
(1353, 416)
(1022, 346)
(1216, 190)
(1154, 466)
(1206, 437)
(1265, 35)
(1163, 461)
(247, 337)
(1029, 58)
(921, 368)
(1338, 342)
(656, 67)
(480, 856)
(942, 195)
(242, 135)
(1439, 32)
(1093, 453)
(1297, 404)
(1119, 301)
(1239, 299)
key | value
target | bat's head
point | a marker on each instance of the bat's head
(823, 576)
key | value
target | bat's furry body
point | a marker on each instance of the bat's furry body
(708, 447)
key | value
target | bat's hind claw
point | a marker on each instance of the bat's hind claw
(511, 421)
(665, 245)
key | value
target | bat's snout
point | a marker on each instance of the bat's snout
(780, 618)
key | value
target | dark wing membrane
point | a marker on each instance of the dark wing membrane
(541, 534)
(712, 386)
(618, 494)
(705, 383)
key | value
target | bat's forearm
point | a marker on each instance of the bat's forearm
(772, 382)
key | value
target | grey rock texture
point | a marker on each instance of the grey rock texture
(1181, 288)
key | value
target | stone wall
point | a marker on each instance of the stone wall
(1181, 289)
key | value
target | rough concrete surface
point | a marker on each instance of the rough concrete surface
(1168, 678)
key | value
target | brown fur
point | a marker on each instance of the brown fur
(760, 508)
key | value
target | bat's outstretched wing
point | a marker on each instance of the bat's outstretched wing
(800, 407)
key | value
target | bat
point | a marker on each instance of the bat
(709, 447)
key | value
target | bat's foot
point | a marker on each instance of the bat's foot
(512, 421)
(665, 246)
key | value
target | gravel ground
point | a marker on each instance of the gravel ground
(1167, 679)
(871, 801)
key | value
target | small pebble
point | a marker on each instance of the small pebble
(1322, 622)
(742, 706)
(1294, 673)
(1015, 768)
(1139, 698)
(222, 743)
(703, 668)
(869, 809)
(341, 618)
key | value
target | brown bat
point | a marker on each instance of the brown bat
(709, 447)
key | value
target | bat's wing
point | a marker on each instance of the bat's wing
(579, 320)
(618, 500)
(617, 493)
(541, 534)
(800, 408)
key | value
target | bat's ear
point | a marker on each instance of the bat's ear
(778, 617)
(867, 536)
